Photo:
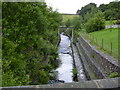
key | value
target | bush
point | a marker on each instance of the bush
(117, 22)
(114, 74)
(29, 38)
(75, 74)
(68, 23)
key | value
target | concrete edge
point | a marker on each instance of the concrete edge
(100, 83)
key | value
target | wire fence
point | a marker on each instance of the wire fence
(101, 43)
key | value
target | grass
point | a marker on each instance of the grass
(70, 17)
(95, 38)
(110, 22)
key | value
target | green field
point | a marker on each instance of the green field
(70, 17)
(107, 37)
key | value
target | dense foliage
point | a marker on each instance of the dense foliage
(111, 10)
(95, 23)
(94, 17)
(86, 9)
(29, 42)
(68, 23)
(76, 24)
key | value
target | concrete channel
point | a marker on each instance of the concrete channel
(96, 64)
(92, 65)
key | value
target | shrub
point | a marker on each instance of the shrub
(75, 74)
(29, 38)
(114, 74)
(117, 22)
(68, 23)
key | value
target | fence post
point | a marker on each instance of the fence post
(111, 47)
(90, 37)
(93, 38)
(102, 43)
(96, 40)
(72, 36)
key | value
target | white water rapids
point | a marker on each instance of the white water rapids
(65, 68)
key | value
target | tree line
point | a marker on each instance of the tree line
(28, 43)
(92, 18)
(110, 11)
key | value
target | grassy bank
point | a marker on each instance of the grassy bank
(105, 40)
(110, 22)
(70, 17)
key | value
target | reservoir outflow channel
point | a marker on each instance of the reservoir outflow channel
(66, 60)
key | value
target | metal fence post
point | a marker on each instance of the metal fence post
(96, 40)
(93, 38)
(102, 43)
(111, 47)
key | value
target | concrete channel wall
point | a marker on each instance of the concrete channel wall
(97, 65)
(102, 83)
(78, 64)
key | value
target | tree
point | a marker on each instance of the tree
(90, 14)
(76, 22)
(103, 7)
(96, 23)
(29, 42)
(68, 23)
(86, 9)
(111, 10)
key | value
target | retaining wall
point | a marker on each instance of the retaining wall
(103, 83)
(100, 63)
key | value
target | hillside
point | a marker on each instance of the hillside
(70, 17)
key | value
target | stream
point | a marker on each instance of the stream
(64, 72)
(66, 60)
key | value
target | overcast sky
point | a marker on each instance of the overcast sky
(71, 6)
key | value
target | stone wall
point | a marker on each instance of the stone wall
(101, 64)
(95, 72)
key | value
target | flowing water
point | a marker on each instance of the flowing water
(66, 61)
